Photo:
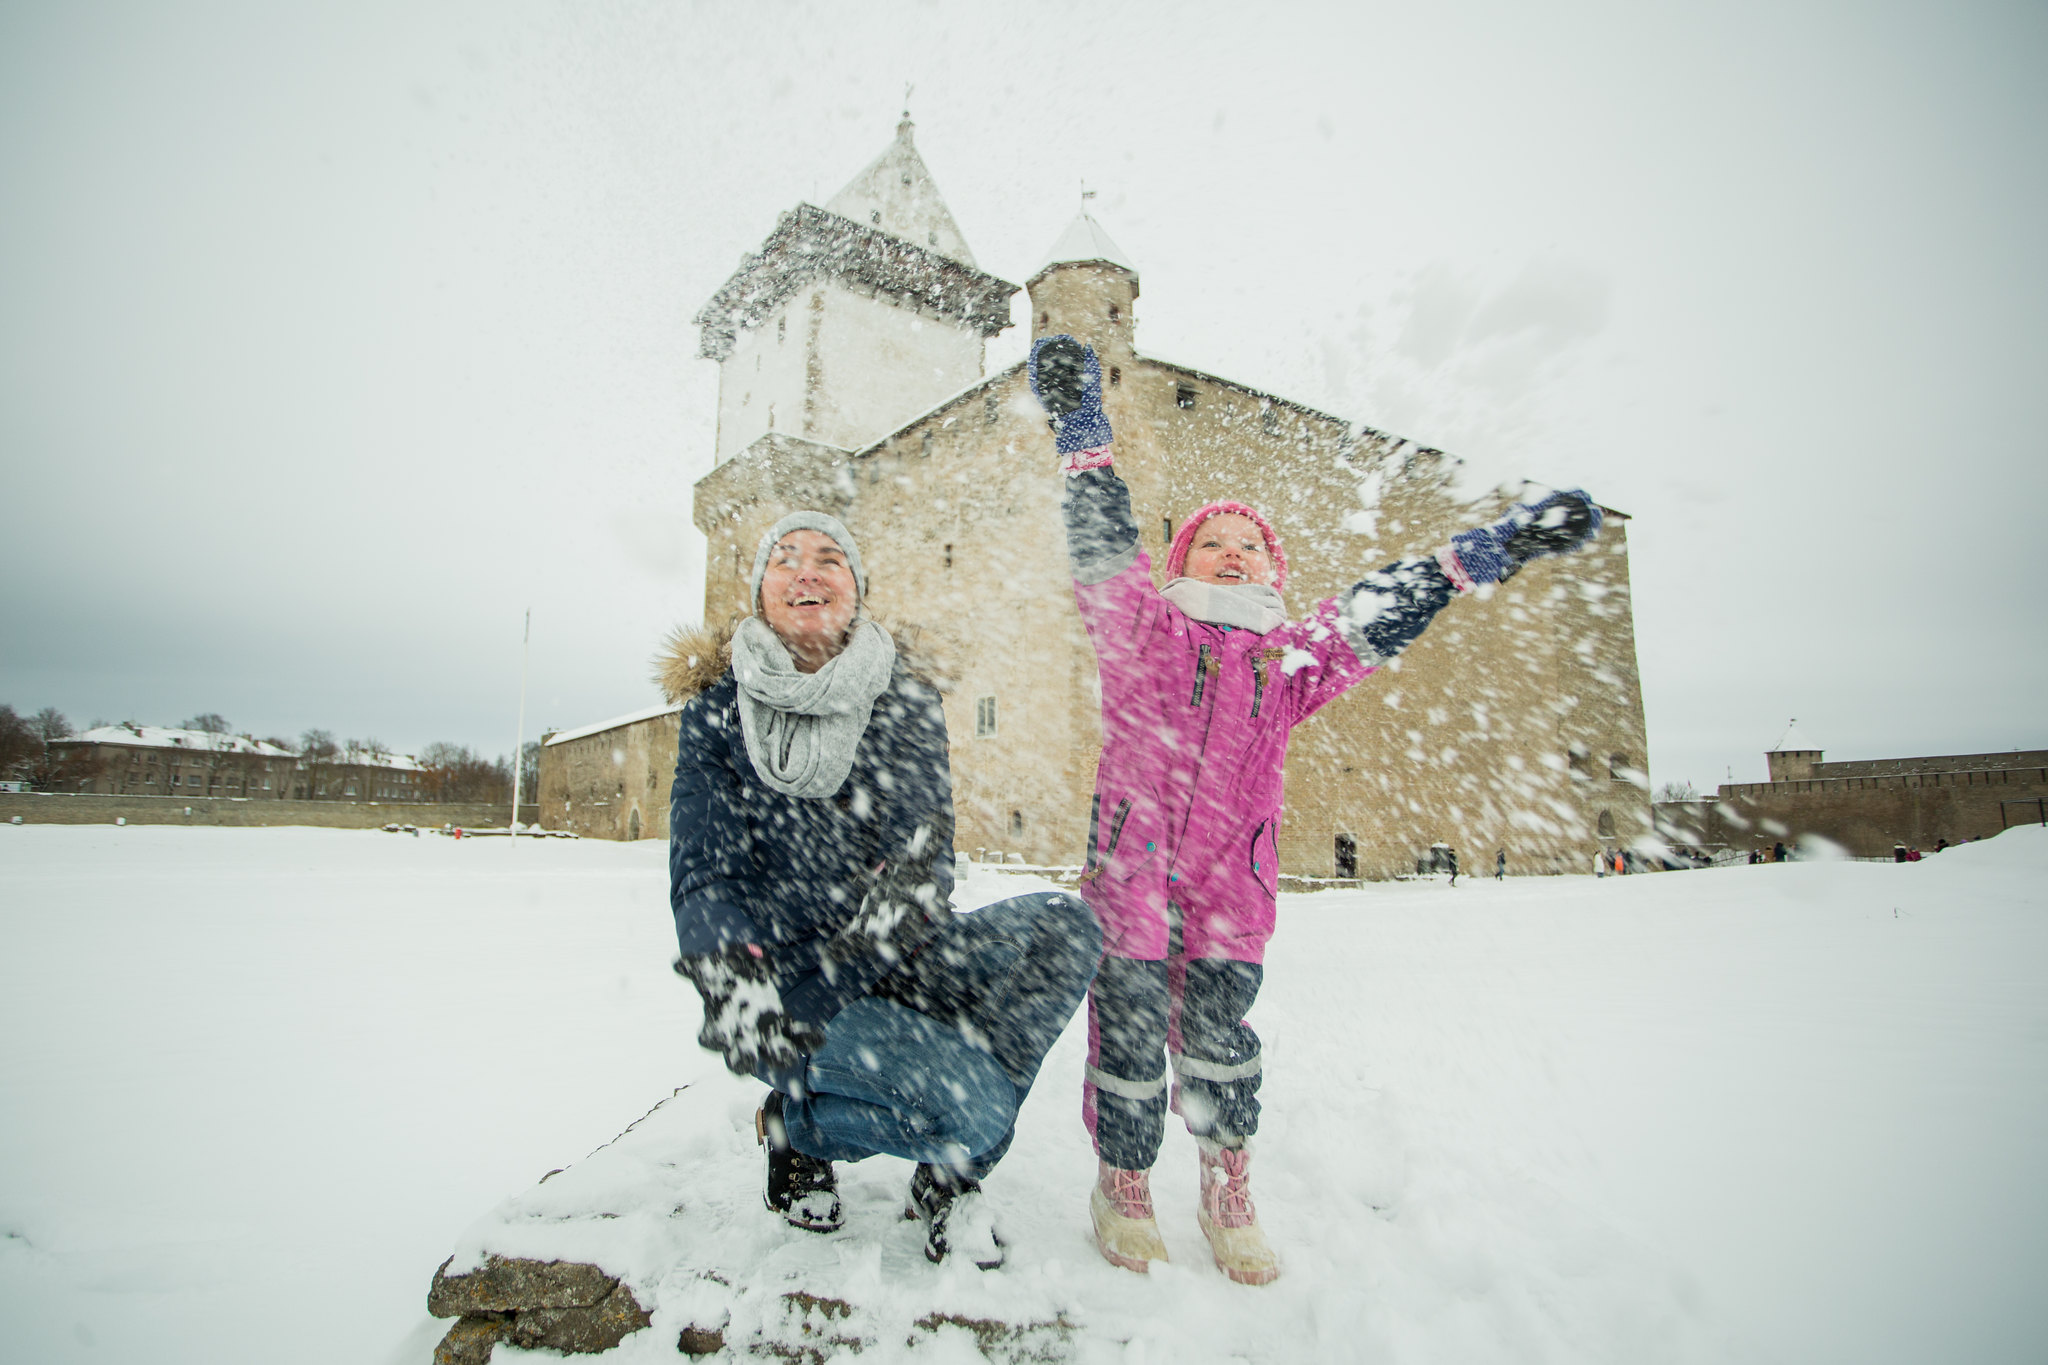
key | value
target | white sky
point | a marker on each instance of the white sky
(335, 337)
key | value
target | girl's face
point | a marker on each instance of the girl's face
(808, 596)
(1229, 549)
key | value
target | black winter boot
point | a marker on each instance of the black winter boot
(801, 1188)
(956, 1217)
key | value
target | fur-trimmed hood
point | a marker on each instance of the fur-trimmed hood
(693, 658)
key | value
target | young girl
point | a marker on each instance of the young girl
(1202, 682)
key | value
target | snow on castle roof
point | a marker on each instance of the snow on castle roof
(897, 194)
(585, 731)
(1084, 240)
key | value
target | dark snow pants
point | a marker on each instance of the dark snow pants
(1140, 1015)
(934, 1064)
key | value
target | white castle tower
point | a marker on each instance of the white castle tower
(854, 318)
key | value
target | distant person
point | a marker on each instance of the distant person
(1778, 852)
(1600, 862)
(1912, 855)
(1898, 853)
(1500, 866)
(1451, 857)
(1940, 844)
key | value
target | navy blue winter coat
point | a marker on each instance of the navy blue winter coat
(749, 864)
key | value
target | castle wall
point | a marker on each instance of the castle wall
(841, 364)
(876, 362)
(1869, 815)
(1516, 722)
(597, 785)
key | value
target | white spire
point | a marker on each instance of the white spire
(897, 194)
(1084, 240)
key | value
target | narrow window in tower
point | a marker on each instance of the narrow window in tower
(1166, 530)
(1045, 319)
(1184, 396)
(1116, 375)
(1115, 313)
(925, 446)
(984, 717)
(949, 556)
(781, 328)
(1016, 822)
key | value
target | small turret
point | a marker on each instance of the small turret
(1087, 288)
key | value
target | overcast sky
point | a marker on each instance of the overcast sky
(337, 336)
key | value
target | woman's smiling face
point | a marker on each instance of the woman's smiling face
(1229, 550)
(808, 596)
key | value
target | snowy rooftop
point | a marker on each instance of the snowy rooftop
(1084, 240)
(205, 741)
(584, 731)
(164, 737)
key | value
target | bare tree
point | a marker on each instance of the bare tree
(455, 773)
(19, 744)
(212, 722)
(529, 771)
(53, 769)
(1677, 791)
(316, 751)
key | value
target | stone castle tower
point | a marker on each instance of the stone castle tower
(850, 351)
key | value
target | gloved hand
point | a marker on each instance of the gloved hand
(1554, 524)
(895, 918)
(743, 1016)
(1066, 378)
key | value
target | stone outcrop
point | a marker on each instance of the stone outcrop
(562, 1305)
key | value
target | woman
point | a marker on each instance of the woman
(810, 874)
(1203, 680)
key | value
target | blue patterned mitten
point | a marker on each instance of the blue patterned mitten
(1066, 379)
(1554, 524)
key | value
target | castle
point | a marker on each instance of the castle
(850, 350)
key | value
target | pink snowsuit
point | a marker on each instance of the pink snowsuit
(1195, 720)
(1182, 851)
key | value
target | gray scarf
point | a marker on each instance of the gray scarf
(1256, 607)
(801, 728)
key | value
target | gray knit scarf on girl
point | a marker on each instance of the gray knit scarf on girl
(802, 728)
(1256, 607)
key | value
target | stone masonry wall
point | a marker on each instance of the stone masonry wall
(1516, 723)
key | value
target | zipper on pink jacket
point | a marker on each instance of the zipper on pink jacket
(1204, 666)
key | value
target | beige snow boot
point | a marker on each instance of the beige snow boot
(1228, 1219)
(1125, 1231)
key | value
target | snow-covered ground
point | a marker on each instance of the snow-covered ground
(256, 1084)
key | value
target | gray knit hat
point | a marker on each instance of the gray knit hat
(822, 523)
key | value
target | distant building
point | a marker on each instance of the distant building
(610, 780)
(1867, 806)
(850, 353)
(153, 760)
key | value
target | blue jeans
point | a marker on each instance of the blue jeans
(934, 1064)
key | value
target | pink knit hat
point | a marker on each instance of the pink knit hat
(1177, 557)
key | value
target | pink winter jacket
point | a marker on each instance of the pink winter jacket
(1195, 720)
